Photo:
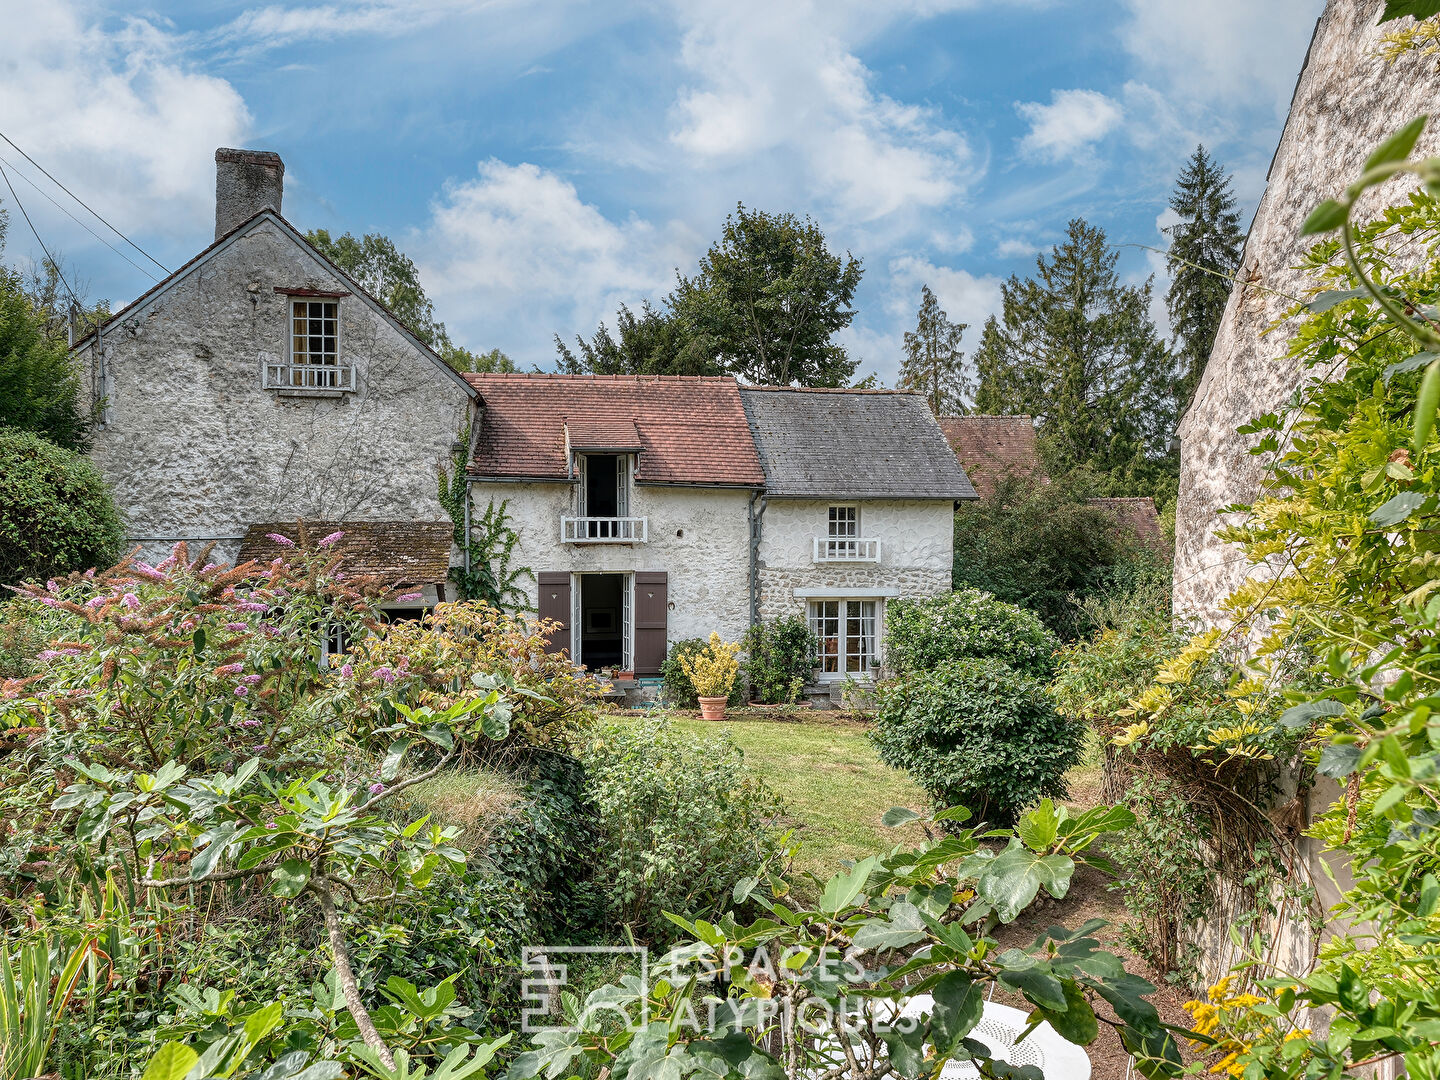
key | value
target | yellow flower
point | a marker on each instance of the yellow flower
(713, 669)
(1131, 734)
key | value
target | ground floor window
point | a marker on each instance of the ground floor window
(846, 633)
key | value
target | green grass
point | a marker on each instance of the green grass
(834, 786)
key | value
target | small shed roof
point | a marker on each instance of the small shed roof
(1137, 516)
(991, 447)
(398, 552)
(851, 444)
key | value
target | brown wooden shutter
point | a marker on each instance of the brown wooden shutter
(651, 606)
(555, 604)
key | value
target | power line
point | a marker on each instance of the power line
(48, 257)
(77, 221)
(82, 202)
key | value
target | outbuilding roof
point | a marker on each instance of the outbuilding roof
(683, 429)
(991, 447)
(851, 444)
(398, 552)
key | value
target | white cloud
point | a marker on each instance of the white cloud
(118, 114)
(1014, 247)
(765, 78)
(1222, 52)
(516, 251)
(1067, 127)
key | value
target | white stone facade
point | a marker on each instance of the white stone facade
(195, 448)
(916, 544)
(698, 536)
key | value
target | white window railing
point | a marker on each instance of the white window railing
(846, 549)
(309, 377)
(604, 530)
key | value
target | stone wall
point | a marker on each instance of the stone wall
(194, 447)
(698, 536)
(1347, 101)
(916, 543)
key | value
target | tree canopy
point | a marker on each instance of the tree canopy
(1076, 348)
(765, 305)
(933, 364)
(1205, 247)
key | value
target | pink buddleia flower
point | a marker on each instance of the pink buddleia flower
(51, 586)
(377, 788)
(237, 626)
(96, 601)
(333, 538)
(385, 674)
(130, 600)
(251, 605)
(283, 541)
(230, 669)
(409, 597)
(347, 670)
(242, 691)
(252, 679)
(147, 571)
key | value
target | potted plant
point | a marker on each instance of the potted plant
(712, 670)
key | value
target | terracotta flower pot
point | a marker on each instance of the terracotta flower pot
(712, 708)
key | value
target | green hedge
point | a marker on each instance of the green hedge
(920, 635)
(56, 514)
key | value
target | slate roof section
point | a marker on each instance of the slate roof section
(851, 444)
(1137, 516)
(397, 552)
(991, 447)
(691, 429)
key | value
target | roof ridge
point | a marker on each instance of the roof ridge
(828, 389)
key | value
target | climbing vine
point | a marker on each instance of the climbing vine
(489, 544)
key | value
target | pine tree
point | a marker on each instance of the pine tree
(934, 364)
(1208, 236)
(1076, 348)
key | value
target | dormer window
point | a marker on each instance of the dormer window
(602, 500)
(313, 344)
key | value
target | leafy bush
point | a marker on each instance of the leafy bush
(979, 734)
(677, 689)
(680, 821)
(779, 658)
(39, 380)
(921, 635)
(56, 514)
(715, 669)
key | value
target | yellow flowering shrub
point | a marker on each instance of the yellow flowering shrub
(714, 669)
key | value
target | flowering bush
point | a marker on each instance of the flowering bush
(434, 660)
(713, 670)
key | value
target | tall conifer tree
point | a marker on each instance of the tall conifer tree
(1205, 248)
(933, 364)
(1075, 348)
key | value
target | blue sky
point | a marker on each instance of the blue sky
(544, 161)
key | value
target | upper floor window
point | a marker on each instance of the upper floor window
(602, 503)
(315, 333)
(313, 343)
(844, 522)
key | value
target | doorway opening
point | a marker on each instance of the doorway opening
(604, 621)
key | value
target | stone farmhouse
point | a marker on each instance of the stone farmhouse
(259, 389)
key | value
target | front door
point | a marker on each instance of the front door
(603, 620)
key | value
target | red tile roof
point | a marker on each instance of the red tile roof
(1137, 516)
(990, 447)
(604, 434)
(692, 429)
(397, 552)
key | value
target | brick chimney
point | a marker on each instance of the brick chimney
(246, 182)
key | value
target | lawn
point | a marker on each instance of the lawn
(835, 788)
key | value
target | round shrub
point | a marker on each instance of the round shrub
(779, 658)
(979, 734)
(56, 514)
(966, 624)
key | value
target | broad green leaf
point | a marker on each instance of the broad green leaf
(394, 758)
(207, 857)
(898, 815)
(1398, 146)
(1326, 217)
(171, 1062)
(1326, 300)
(1410, 363)
(1301, 715)
(1426, 402)
(290, 878)
(903, 927)
(1010, 881)
(842, 889)
(1339, 760)
(1039, 827)
(1420, 9)
(1397, 509)
(906, 1050)
(1429, 896)
(1076, 1022)
(263, 1022)
(959, 1004)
